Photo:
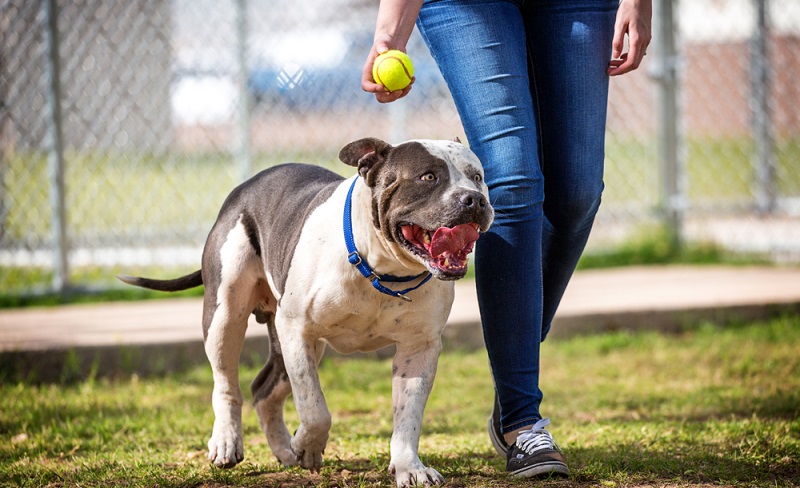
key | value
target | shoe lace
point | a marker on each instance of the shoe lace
(537, 438)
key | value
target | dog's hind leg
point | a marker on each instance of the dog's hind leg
(270, 389)
(233, 284)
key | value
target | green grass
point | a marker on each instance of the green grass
(125, 192)
(712, 406)
(106, 287)
(653, 246)
(719, 170)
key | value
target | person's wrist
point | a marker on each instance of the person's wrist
(385, 42)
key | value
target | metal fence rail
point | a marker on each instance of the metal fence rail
(124, 124)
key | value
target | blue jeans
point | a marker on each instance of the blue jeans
(529, 81)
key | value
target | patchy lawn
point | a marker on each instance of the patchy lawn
(713, 406)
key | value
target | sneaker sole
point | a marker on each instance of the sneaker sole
(544, 469)
(498, 442)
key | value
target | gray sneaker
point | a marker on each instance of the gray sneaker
(535, 453)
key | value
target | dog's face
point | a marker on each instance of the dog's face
(428, 197)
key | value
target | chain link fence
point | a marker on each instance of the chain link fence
(124, 124)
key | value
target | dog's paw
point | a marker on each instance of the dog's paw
(225, 448)
(285, 456)
(417, 477)
(308, 457)
(312, 461)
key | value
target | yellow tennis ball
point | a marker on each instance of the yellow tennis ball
(393, 70)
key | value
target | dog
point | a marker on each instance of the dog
(321, 259)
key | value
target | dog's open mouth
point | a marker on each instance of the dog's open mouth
(446, 249)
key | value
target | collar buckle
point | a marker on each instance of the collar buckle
(354, 258)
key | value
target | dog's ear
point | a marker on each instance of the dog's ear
(456, 139)
(364, 154)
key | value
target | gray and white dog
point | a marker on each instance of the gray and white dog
(324, 260)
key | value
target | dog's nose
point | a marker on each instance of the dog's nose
(472, 200)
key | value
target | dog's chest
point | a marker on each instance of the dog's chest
(372, 324)
(341, 307)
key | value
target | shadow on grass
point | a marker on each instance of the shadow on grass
(682, 464)
(459, 469)
(710, 404)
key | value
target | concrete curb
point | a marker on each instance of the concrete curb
(78, 363)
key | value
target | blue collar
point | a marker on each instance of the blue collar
(356, 260)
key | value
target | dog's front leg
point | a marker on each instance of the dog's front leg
(412, 379)
(300, 357)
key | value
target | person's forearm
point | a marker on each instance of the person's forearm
(396, 20)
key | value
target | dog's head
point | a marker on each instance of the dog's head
(428, 197)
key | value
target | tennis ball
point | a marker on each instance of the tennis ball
(393, 70)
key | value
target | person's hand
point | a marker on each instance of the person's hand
(381, 45)
(633, 19)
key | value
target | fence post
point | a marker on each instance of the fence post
(762, 116)
(56, 148)
(243, 108)
(665, 73)
(5, 108)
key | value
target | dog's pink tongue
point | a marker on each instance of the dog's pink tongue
(446, 240)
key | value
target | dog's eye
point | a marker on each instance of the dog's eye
(428, 177)
(477, 178)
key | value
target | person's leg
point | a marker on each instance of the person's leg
(568, 50)
(480, 49)
(570, 46)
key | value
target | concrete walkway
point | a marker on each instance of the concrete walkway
(159, 335)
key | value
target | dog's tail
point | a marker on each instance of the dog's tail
(177, 284)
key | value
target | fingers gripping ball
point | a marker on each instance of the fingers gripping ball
(393, 70)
